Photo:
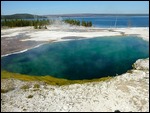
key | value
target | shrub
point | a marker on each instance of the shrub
(7, 89)
(116, 111)
(25, 87)
(30, 96)
(4, 91)
(36, 86)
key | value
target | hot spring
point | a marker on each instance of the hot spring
(79, 59)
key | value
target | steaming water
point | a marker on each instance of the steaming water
(79, 59)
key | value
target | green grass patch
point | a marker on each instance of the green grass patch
(48, 79)
(36, 86)
(25, 87)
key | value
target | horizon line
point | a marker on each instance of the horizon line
(86, 14)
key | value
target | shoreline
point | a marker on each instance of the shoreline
(126, 92)
(88, 32)
(53, 35)
(22, 50)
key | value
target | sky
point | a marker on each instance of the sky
(74, 7)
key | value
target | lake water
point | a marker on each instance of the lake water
(79, 59)
(121, 21)
(110, 21)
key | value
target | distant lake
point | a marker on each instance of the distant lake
(121, 21)
(109, 21)
(79, 59)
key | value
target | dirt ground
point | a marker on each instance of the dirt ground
(15, 45)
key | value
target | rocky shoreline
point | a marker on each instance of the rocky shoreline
(126, 92)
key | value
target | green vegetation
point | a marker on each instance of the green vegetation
(21, 16)
(25, 87)
(30, 96)
(78, 23)
(38, 24)
(87, 24)
(36, 86)
(72, 22)
(8, 87)
(4, 91)
(48, 79)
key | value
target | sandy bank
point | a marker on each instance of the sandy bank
(56, 34)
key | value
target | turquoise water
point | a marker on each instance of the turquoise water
(79, 59)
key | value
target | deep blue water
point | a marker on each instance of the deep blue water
(121, 21)
(79, 59)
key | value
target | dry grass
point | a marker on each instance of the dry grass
(25, 87)
(36, 86)
(4, 91)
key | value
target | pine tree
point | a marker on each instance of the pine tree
(90, 24)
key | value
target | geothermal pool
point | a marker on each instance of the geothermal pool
(79, 59)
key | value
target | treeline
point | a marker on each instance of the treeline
(78, 23)
(21, 16)
(38, 24)
(72, 22)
